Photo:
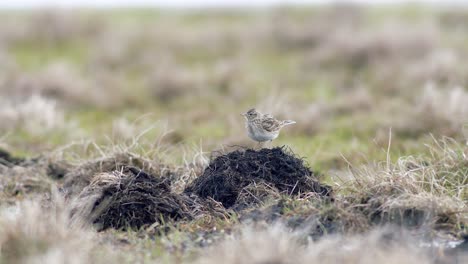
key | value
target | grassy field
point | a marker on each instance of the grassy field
(379, 94)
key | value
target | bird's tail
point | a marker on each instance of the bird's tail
(287, 122)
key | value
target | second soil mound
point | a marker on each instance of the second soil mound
(9, 161)
(129, 198)
(227, 175)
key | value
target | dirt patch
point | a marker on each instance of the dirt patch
(6, 159)
(26, 177)
(58, 169)
(132, 198)
(228, 175)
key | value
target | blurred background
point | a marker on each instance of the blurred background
(179, 73)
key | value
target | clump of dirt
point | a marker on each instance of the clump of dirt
(55, 169)
(58, 169)
(132, 198)
(227, 175)
(26, 176)
(6, 159)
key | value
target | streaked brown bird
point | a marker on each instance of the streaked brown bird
(263, 127)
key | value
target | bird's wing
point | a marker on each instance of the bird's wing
(270, 124)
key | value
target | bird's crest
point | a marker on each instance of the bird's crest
(252, 111)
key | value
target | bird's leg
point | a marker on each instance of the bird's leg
(259, 145)
(262, 144)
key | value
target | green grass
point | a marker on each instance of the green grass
(33, 56)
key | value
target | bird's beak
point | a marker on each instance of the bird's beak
(243, 114)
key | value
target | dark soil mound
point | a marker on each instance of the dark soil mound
(54, 169)
(133, 198)
(7, 160)
(227, 175)
(58, 169)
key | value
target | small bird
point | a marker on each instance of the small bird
(263, 127)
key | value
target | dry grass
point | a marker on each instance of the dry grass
(62, 83)
(19, 182)
(169, 82)
(81, 176)
(414, 191)
(28, 178)
(436, 110)
(38, 234)
(277, 244)
(424, 194)
(36, 115)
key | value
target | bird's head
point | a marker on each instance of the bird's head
(251, 114)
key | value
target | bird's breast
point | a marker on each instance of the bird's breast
(261, 135)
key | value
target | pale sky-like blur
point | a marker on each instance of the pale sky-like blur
(200, 3)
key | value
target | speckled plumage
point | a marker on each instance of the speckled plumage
(262, 127)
